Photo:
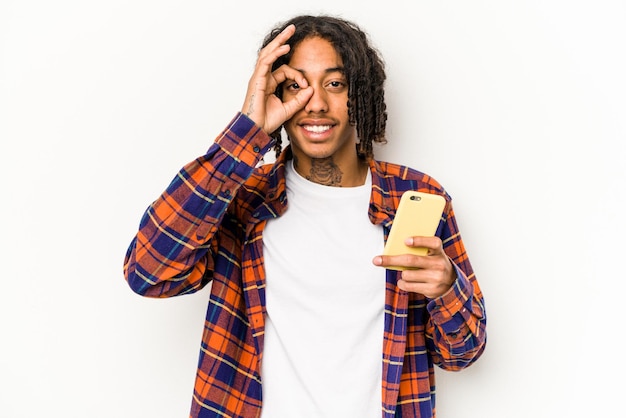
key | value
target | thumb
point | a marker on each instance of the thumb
(298, 101)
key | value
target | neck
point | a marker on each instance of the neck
(327, 172)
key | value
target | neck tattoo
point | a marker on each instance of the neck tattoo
(324, 171)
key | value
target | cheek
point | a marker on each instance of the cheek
(290, 128)
(340, 104)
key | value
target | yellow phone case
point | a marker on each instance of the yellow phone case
(418, 214)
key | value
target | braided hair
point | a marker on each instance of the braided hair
(364, 70)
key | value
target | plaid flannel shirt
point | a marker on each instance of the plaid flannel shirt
(207, 227)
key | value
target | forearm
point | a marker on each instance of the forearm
(457, 326)
(171, 253)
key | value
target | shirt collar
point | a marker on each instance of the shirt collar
(382, 205)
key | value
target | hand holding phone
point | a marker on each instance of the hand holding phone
(418, 214)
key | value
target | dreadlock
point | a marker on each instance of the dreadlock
(364, 70)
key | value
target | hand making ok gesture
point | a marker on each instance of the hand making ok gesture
(261, 104)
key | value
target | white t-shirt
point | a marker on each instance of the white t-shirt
(325, 305)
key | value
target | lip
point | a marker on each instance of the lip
(316, 129)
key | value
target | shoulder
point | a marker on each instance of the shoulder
(396, 177)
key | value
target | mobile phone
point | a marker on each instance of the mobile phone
(418, 214)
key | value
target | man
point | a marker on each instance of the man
(304, 320)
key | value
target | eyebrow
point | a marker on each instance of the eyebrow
(341, 70)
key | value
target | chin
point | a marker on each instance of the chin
(313, 150)
(316, 152)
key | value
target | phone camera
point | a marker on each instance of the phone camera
(416, 198)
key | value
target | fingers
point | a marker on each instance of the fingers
(285, 72)
(297, 102)
(413, 261)
(270, 53)
(262, 82)
(269, 111)
(431, 274)
(402, 262)
(278, 42)
(432, 281)
(434, 244)
(261, 104)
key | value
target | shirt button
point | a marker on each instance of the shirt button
(256, 148)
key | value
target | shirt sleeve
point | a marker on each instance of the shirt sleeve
(170, 254)
(457, 326)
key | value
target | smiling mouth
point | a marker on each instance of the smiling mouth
(317, 129)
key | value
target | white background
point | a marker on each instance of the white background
(516, 107)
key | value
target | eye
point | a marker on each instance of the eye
(292, 86)
(336, 85)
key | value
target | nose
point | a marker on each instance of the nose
(318, 102)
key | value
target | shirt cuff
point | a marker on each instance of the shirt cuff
(450, 310)
(244, 140)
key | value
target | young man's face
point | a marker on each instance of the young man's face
(321, 129)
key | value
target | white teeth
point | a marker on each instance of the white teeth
(317, 128)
